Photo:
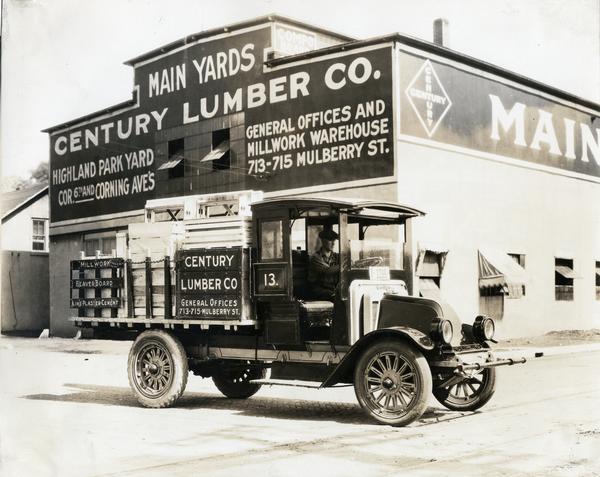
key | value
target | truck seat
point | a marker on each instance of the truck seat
(315, 319)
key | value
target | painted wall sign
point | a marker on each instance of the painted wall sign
(95, 302)
(340, 131)
(97, 283)
(109, 165)
(291, 41)
(209, 284)
(451, 106)
(324, 121)
(96, 263)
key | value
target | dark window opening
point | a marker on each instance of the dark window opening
(220, 144)
(430, 265)
(219, 155)
(102, 246)
(176, 158)
(520, 259)
(597, 280)
(491, 302)
(563, 279)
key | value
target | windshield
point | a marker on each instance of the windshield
(375, 244)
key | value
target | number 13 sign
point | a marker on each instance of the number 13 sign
(271, 278)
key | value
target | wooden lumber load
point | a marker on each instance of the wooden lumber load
(188, 264)
(189, 226)
(149, 244)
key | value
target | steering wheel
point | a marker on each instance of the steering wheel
(367, 262)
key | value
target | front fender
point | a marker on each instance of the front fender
(344, 370)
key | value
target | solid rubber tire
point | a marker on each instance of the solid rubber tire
(481, 399)
(180, 368)
(241, 389)
(419, 405)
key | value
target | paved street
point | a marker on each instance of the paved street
(66, 410)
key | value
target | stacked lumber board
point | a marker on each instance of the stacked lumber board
(154, 241)
(150, 243)
(226, 231)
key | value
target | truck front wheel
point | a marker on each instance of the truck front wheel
(157, 368)
(234, 380)
(393, 382)
(471, 393)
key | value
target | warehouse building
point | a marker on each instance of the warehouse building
(507, 168)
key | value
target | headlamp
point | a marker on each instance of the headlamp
(441, 330)
(484, 328)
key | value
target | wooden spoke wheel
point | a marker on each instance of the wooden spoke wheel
(157, 368)
(392, 381)
(469, 394)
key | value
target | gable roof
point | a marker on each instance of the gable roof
(13, 202)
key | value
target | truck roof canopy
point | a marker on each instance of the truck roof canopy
(352, 206)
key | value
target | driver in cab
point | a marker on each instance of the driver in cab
(324, 268)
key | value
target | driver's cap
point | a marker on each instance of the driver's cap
(328, 234)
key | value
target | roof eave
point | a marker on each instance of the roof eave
(443, 52)
(15, 210)
(90, 116)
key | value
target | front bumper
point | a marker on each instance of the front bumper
(476, 359)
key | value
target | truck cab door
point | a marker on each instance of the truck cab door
(272, 268)
(272, 281)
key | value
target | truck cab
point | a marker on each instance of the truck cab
(372, 260)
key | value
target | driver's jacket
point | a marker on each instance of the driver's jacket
(323, 275)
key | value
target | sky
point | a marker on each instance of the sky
(62, 59)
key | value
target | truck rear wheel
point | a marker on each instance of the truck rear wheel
(234, 380)
(393, 382)
(157, 368)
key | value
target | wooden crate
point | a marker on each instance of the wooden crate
(229, 231)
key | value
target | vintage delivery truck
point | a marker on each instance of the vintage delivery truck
(220, 285)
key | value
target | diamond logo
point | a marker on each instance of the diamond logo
(428, 98)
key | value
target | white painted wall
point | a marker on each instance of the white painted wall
(17, 232)
(473, 202)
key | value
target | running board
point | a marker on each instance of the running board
(294, 383)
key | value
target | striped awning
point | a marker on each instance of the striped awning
(497, 269)
(217, 153)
